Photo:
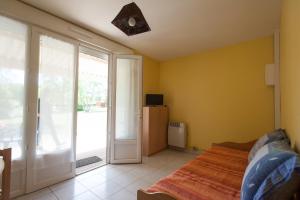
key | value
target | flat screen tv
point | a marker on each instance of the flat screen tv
(154, 99)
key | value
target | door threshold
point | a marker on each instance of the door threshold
(87, 168)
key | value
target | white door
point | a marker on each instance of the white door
(126, 109)
(13, 69)
(52, 107)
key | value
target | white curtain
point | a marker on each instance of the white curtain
(13, 63)
(127, 99)
(13, 51)
(55, 103)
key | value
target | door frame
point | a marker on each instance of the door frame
(109, 54)
(32, 96)
(112, 134)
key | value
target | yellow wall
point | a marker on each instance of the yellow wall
(150, 75)
(290, 69)
(221, 94)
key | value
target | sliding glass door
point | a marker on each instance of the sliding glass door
(13, 67)
(52, 155)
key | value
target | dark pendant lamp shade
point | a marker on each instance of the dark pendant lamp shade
(130, 20)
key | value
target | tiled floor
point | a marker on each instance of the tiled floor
(114, 182)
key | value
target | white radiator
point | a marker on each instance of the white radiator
(177, 134)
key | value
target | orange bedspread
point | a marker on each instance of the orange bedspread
(214, 175)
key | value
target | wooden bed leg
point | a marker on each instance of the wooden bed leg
(143, 195)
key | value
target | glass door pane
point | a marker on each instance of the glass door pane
(13, 63)
(127, 99)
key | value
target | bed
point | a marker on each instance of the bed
(216, 174)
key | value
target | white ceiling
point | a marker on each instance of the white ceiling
(179, 27)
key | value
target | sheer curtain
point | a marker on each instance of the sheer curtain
(127, 99)
(56, 96)
(55, 103)
(13, 63)
(13, 51)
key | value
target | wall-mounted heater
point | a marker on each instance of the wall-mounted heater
(177, 135)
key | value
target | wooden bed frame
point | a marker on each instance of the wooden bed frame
(5, 189)
(144, 195)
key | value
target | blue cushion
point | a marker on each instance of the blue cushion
(273, 166)
(282, 183)
(278, 134)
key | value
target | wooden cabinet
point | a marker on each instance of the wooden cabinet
(155, 125)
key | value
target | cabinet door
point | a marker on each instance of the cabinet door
(163, 124)
(154, 135)
(158, 129)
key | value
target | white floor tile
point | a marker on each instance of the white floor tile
(152, 178)
(106, 189)
(44, 194)
(125, 179)
(86, 196)
(93, 181)
(63, 184)
(122, 195)
(88, 174)
(109, 172)
(143, 170)
(68, 189)
(124, 167)
(138, 184)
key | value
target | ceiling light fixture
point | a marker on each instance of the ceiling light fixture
(131, 20)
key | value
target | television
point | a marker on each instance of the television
(154, 99)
